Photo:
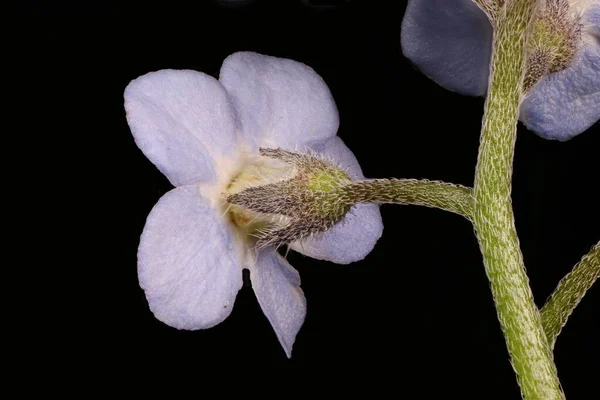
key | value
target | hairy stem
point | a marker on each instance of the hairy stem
(493, 218)
(449, 197)
(569, 293)
(491, 8)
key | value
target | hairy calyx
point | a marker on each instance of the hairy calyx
(306, 200)
(555, 39)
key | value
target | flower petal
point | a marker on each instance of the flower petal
(188, 263)
(592, 16)
(450, 41)
(279, 102)
(183, 121)
(566, 103)
(348, 241)
(277, 288)
(355, 236)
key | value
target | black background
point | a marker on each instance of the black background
(417, 312)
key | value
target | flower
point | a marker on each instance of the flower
(204, 134)
(451, 42)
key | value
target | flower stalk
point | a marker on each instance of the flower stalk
(493, 217)
(569, 293)
(446, 196)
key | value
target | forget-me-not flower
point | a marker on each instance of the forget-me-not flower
(451, 42)
(204, 135)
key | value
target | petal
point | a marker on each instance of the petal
(183, 121)
(348, 241)
(188, 263)
(355, 236)
(592, 16)
(279, 102)
(450, 41)
(566, 103)
(277, 288)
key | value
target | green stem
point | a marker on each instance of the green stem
(569, 293)
(493, 218)
(491, 8)
(449, 197)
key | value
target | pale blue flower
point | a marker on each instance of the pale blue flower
(451, 40)
(199, 132)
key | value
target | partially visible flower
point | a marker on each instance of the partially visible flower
(204, 135)
(451, 42)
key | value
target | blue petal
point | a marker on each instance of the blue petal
(593, 19)
(566, 103)
(277, 288)
(450, 41)
(279, 102)
(183, 121)
(350, 240)
(188, 263)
